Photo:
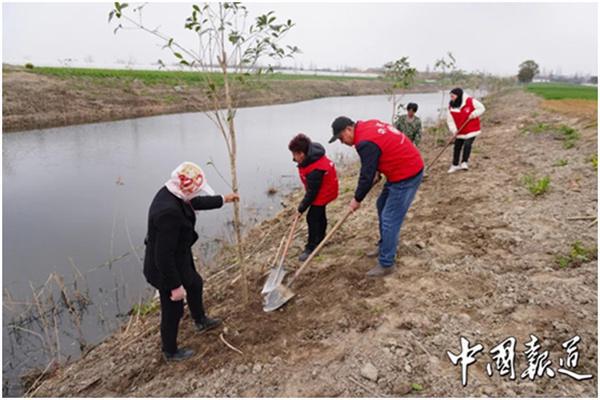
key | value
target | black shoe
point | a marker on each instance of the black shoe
(305, 254)
(207, 324)
(179, 355)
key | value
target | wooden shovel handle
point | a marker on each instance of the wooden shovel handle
(447, 144)
(320, 246)
(289, 240)
(281, 242)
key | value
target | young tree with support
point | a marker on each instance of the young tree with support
(230, 48)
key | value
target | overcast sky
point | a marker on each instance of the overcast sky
(486, 37)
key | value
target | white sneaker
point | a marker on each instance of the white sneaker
(464, 165)
(453, 168)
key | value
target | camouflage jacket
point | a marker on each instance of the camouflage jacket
(412, 129)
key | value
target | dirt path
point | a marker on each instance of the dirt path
(477, 259)
(34, 101)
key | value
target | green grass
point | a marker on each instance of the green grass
(559, 91)
(171, 77)
(536, 187)
(570, 136)
(594, 160)
(144, 309)
(561, 163)
(537, 127)
(578, 254)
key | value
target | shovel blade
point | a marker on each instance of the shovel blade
(277, 298)
(274, 279)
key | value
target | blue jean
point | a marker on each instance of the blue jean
(392, 205)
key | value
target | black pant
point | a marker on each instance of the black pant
(458, 145)
(317, 225)
(172, 311)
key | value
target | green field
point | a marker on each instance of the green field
(559, 91)
(168, 77)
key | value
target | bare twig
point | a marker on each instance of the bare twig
(40, 337)
(137, 256)
(419, 344)
(138, 336)
(33, 385)
(229, 345)
(365, 388)
(581, 217)
(212, 163)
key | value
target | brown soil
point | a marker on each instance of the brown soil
(477, 259)
(575, 107)
(33, 101)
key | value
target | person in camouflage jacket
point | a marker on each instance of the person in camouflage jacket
(409, 123)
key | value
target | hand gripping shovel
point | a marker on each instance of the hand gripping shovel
(277, 274)
(282, 294)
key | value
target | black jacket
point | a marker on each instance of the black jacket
(168, 261)
(315, 178)
(369, 154)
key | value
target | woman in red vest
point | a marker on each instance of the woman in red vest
(464, 111)
(319, 177)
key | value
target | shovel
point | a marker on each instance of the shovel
(282, 294)
(277, 274)
(446, 146)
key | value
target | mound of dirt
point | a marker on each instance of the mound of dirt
(478, 259)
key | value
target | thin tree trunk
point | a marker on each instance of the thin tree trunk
(236, 212)
(234, 180)
(393, 107)
(440, 117)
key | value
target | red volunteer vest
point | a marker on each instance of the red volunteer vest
(329, 187)
(461, 116)
(400, 159)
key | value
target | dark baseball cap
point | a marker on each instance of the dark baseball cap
(338, 125)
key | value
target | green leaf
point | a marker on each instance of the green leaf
(178, 55)
(110, 15)
(416, 387)
(196, 8)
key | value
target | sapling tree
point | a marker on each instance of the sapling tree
(230, 49)
(450, 76)
(401, 77)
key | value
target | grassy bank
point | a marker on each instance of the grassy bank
(44, 97)
(567, 99)
(172, 77)
(561, 91)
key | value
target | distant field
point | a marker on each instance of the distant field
(559, 91)
(169, 77)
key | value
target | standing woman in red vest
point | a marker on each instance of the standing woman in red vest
(319, 178)
(463, 110)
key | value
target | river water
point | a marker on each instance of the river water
(76, 197)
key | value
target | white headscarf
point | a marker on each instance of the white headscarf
(188, 181)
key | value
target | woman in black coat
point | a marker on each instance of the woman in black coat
(168, 262)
